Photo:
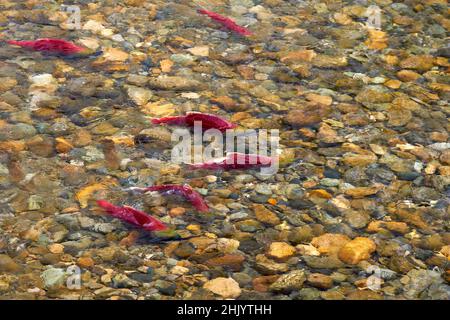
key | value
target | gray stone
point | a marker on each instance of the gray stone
(53, 277)
(166, 287)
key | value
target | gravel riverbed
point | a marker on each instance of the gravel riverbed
(359, 208)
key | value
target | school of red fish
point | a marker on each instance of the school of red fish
(208, 121)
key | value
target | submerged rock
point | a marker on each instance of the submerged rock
(291, 281)
(175, 83)
(225, 287)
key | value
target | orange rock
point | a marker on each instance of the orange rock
(262, 284)
(231, 261)
(393, 84)
(201, 243)
(238, 116)
(71, 209)
(303, 69)
(306, 115)
(169, 249)
(307, 132)
(342, 18)
(265, 215)
(327, 134)
(129, 240)
(7, 83)
(377, 39)
(445, 157)
(326, 100)
(359, 159)
(417, 62)
(281, 251)
(330, 243)
(395, 226)
(298, 56)
(56, 248)
(81, 138)
(42, 146)
(246, 72)
(413, 217)
(225, 287)
(112, 159)
(137, 57)
(320, 281)
(442, 87)
(194, 228)
(361, 283)
(309, 184)
(445, 250)
(307, 250)
(442, 62)
(62, 145)
(368, 95)
(84, 194)
(408, 75)
(122, 140)
(406, 103)
(392, 60)
(166, 65)
(134, 3)
(224, 101)
(357, 250)
(403, 20)
(12, 146)
(176, 212)
(444, 170)
(85, 262)
(361, 192)
(375, 226)
(320, 193)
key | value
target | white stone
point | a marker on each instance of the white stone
(140, 96)
(202, 51)
(93, 26)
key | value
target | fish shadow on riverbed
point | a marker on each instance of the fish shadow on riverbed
(147, 238)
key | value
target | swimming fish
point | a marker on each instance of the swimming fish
(208, 121)
(133, 216)
(58, 46)
(183, 190)
(235, 160)
(226, 22)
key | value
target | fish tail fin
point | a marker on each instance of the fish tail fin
(175, 120)
(21, 43)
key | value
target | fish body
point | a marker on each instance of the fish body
(208, 121)
(233, 161)
(226, 22)
(133, 216)
(185, 191)
(49, 45)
